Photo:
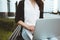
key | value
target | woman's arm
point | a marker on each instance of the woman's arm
(26, 26)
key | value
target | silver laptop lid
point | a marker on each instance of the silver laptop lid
(46, 28)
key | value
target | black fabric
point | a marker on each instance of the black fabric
(20, 12)
(19, 37)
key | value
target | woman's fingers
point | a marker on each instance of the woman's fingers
(31, 28)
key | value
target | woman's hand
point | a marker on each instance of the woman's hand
(31, 28)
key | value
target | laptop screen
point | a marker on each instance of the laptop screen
(47, 28)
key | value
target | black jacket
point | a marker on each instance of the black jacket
(20, 12)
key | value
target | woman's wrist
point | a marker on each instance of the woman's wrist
(26, 26)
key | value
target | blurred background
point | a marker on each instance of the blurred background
(7, 15)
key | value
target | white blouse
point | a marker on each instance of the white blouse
(31, 14)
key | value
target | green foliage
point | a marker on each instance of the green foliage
(4, 34)
(7, 24)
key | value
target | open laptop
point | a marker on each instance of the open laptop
(47, 28)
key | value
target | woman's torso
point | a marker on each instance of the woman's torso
(31, 14)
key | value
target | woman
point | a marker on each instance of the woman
(28, 11)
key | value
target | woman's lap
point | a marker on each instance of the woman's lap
(25, 36)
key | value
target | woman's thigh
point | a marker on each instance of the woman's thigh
(25, 36)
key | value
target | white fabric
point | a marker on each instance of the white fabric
(31, 15)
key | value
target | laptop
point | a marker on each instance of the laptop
(47, 28)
